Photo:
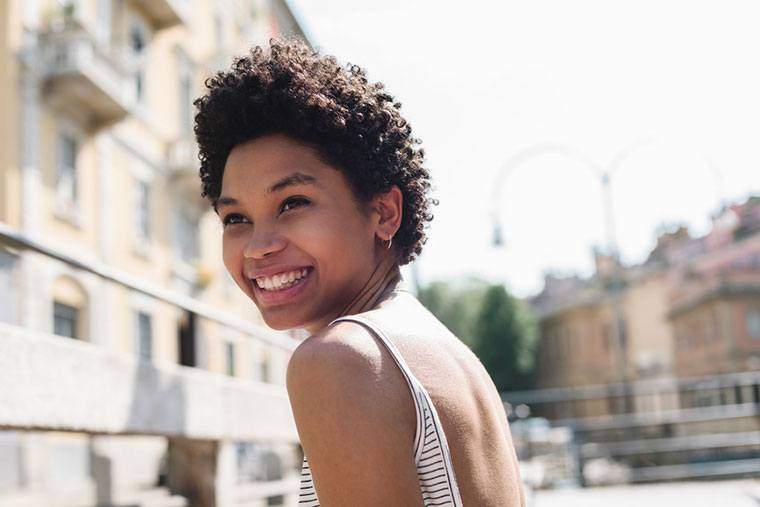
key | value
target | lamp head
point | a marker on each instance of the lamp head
(498, 238)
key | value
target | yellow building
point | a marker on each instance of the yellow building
(690, 310)
(104, 238)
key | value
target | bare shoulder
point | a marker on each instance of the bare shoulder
(340, 348)
(347, 402)
(344, 363)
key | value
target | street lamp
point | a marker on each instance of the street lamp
(604, 174)
(498, 235)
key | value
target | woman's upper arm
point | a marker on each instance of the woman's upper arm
(349, 405)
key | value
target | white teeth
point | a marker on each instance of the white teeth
(280, 280)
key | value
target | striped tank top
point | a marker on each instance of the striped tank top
(431, 450)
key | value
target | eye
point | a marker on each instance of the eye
(231, 219)
(293, 202)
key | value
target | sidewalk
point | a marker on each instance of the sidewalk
(737, 493)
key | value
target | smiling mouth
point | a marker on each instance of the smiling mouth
(281, 281)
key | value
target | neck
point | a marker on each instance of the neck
(378, 287)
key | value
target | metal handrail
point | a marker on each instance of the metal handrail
(711, 469)
(635, 388)
(23, 241)
(684, 415)
(671, 444)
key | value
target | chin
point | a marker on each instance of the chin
(280, 321)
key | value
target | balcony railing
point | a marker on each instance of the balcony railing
(83, 409)
(164, 13)
(80, 77)
(182, 161)
(182, 157)
(79, 386)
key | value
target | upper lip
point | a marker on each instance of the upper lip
(273, 270)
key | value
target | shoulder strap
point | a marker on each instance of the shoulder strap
(383, 338)
(411, 380)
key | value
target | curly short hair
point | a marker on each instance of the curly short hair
(352, 124)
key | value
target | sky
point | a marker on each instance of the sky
(670, 88)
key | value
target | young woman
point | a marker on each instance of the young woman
(322, 194)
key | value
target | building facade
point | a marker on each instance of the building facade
(105, 240)
(691, 309)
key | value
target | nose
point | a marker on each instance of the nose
(263, 244)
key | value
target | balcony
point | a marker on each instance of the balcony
(184, 166)
(65, 384)
(182, 157)
(81, 78)
(164, 13)
(55, 384)
(218, 61)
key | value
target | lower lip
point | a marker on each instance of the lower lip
(277, 297)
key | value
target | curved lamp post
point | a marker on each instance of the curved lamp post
(604, 174)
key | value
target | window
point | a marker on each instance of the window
(186, 236)
(261, 370)
(70, 304)
(140, 85)
(137, 39)
(66, 177)
(144, 336)
(138, 42)
(753, 322)
(7, 287)
(186, 69)
(230, 353)
(65, 320)
(142, 210)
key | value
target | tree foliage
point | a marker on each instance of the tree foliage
(497, 327)
(456, 305)
(506, 332)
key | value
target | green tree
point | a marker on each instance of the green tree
(456, 305)
(498, 328)
(506, 337)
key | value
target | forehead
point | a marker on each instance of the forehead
(255, 165)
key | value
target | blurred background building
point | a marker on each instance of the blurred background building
(132, 369)
(692, 308)
(681, 398)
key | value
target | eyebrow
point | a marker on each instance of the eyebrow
(296, 178)
(292, 179)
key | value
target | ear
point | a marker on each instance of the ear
(387, 211)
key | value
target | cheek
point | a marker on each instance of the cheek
(231, 256)
(334, 236)
(346, 248)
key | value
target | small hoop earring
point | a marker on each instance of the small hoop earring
(390, 241)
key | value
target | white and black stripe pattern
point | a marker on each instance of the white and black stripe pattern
(431, 451)
(436, 473)
(307, 496)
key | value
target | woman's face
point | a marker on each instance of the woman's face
(295, 239)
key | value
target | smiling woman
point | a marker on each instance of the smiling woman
(296, 241)
(322, 194)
